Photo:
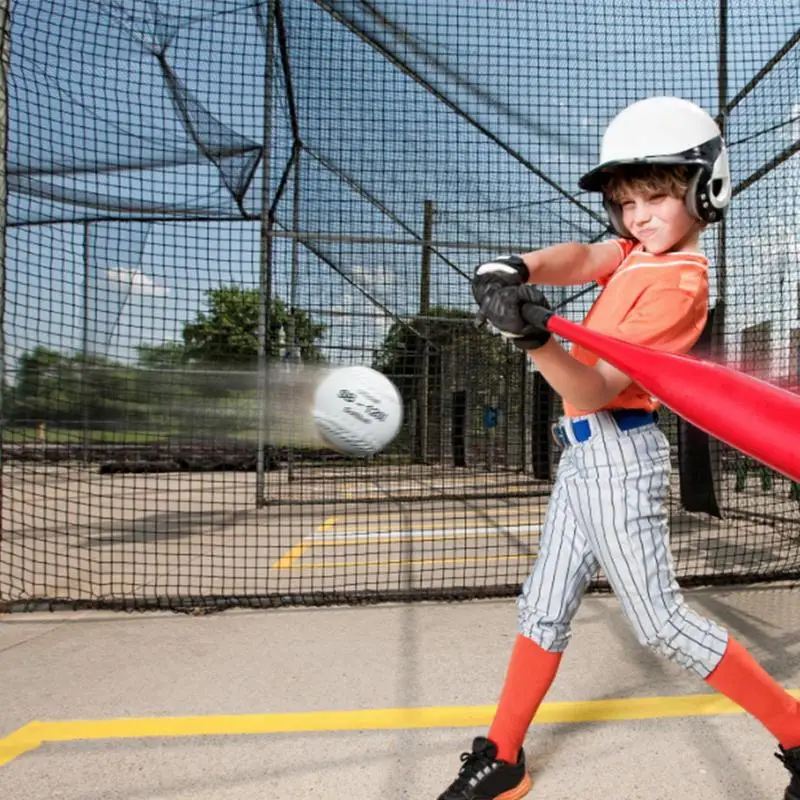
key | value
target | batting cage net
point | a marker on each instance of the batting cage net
(211, 204)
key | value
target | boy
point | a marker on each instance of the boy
(664, 176)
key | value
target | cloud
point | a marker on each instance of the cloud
(377, 279)
(136, 282)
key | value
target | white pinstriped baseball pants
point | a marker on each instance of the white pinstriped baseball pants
(607, 509)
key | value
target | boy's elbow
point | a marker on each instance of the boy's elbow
(612, 382)
(600, 393)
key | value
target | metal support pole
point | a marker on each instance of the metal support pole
(719, 322)
(718, 341)
(423, 347)
(524, 399)
(265, 260)
(294, 356)
(87, 318)
(5, 49)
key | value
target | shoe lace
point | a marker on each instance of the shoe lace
(471, 763)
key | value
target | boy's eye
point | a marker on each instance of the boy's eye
(657, 198)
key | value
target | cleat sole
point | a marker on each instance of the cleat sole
(519, 791)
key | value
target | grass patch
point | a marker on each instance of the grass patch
(53, 435)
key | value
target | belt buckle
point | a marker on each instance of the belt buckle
(559, 435)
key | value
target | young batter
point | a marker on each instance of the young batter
(664, 176)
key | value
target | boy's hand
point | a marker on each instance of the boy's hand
(496, 274)
(503, 308)
(535, 308)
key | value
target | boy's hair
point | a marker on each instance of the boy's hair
(669, 179)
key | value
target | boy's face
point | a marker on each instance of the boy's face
(659, 221)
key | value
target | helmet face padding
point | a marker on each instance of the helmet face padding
(647, 132)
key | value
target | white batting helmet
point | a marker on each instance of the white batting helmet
(666, 130)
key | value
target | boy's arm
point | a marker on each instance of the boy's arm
(586, 388)
(572, 263)
(667, 319)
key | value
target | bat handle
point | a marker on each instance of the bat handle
(529, 314)
(538, 316)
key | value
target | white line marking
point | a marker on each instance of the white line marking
(340, 532)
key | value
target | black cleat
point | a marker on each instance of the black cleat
(791, 760)
(483, 777)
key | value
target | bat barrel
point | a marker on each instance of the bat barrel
(749, 414)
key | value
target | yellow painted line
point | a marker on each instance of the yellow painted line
(633, 708)
(291, 555)
(286, 560)
(24, 739)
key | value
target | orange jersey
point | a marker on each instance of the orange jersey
(659, 301)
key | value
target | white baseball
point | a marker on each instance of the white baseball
(357, 410)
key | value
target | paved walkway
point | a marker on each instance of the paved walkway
(368, 703)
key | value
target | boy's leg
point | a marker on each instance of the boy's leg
(550, 597)
(564, 567)
(531, 671)
(631, 541)
(625, 519)
(741, 678)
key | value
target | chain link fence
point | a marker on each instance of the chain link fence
(206, 202)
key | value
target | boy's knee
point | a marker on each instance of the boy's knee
(550, 634)
(661, 641)
(678, 637)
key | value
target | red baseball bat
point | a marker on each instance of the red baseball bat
(749, 414)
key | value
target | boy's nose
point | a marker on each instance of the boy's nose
(641, 213)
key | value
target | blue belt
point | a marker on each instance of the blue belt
(626, 418)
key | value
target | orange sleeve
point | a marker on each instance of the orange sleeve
(625, 248)
(668, 318)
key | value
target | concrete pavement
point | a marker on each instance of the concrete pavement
(370, 702)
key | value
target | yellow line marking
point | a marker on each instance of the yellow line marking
(291, 555)
(285, 561)
(26, 738)
(33, 734)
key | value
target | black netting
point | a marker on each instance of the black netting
(210, 203)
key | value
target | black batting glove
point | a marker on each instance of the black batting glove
(496, 274)
(535, 312)
(503, 309)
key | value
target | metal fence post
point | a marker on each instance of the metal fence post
(5, 49)
(265, 259)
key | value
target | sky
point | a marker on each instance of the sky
(156, 109)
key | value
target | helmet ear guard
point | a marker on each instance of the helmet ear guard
(668, 131)
(709, 191)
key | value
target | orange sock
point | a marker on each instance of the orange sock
(741, 678)
(531, 671)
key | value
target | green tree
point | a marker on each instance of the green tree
(475, 358)
(47, 385)
(228, 331)
(162, 356)
(54, 386)
(439, 357)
